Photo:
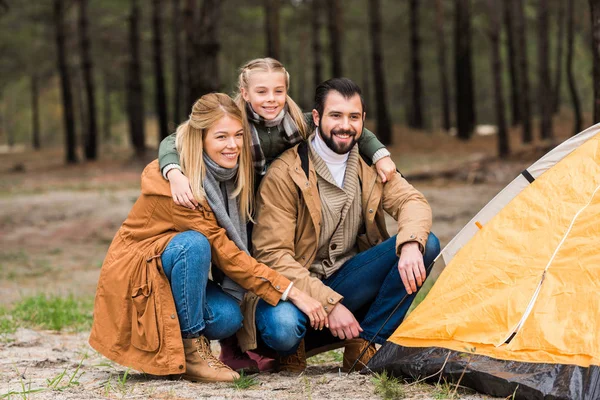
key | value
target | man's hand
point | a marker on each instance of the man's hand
(385, 168)
(180, 189)
(411, 268)
(342, 323)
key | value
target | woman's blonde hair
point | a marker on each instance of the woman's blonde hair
(207, 111)
(268, 65)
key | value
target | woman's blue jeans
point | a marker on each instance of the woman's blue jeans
(202, 307)
(371, 286)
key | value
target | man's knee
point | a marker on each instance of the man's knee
(432, 249)
(281, 327)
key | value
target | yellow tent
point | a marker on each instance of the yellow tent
(521, 289)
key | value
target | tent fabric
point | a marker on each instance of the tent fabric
(522, 281)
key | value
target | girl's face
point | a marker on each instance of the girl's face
(223, 141)
(266, 93)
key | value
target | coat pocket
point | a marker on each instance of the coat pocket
(144, 323)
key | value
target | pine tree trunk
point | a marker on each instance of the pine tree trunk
(334, 19)
(544, 82)
(559, 57)
(515, 105)
(570, 78)
(416, 107)
(107, 119)
(465, 102)
(595, 14)
(177, 73)
(159, 76)
(202, 49)
(35, 112)
(442, 65)
(135, 91)
(519, 13)
(316, 42)
(65, 84)
(272, 28)
(91, 134)
(384, 126)
(496, 64)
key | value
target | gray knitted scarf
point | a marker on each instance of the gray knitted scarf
(218, 184)
(283, 121)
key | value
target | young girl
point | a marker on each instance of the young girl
(275, 122)
(156, 308)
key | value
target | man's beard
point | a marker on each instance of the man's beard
(337, 147)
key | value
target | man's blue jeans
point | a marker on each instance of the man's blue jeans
(202, 307)
(371, 286)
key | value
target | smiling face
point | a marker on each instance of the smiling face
(223, 141)
(342, 121)
(266, 93)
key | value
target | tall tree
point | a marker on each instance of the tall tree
(559, 57)
(272, 28)
(515, 105)
(544, 82)
(135, 91)
(107, 118)
(91, 130)
(177, 67)
(416, 105)
(316, 42)
(334, 25)
(202, 48)
(570, 77)
(522, 63)
(463, 70)
(595, 14)
(159, 76)
(496, 63)
(35, 111)
(384, 125)
(442, 65)
(65, 83)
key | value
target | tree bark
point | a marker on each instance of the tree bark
(515, 105)
(135, 91)
(202, 49)
(595, 14)
(159, 76)
(559, 57)
(416, 107)
(107, 111)
(442, 65)
(527, 135)
(465, 102)
(35, 112)
(334, 19)
(65, 83)
(316, 42)
(496, 64)
(177, 73)
(544, 82)
(272, 28)
(384, 125)
(91, 134)
(570, 78)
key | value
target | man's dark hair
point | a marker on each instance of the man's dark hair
(344, 86)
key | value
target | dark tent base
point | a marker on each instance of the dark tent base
(488, 375)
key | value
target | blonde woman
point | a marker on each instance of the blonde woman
(156, 308)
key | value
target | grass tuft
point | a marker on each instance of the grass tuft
(244, 382)
(54, 313)
(387, 386)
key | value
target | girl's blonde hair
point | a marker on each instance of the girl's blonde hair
(268, 65)
(207, 111)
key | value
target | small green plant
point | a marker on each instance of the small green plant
(307, 387)
(387, 386)
(443, 390)
(327, 357)
(7, 325)
(73, 378)
(54, 313)
(244, 382)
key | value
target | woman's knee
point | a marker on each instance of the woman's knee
(191, 245)
(225, 319)
(281, 327)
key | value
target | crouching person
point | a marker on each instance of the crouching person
(320, 222)
(155, 308)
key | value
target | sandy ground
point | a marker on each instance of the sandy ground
(55, 227)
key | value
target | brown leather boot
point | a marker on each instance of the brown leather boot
(353, 349)
(202, 365)
(294, 363)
